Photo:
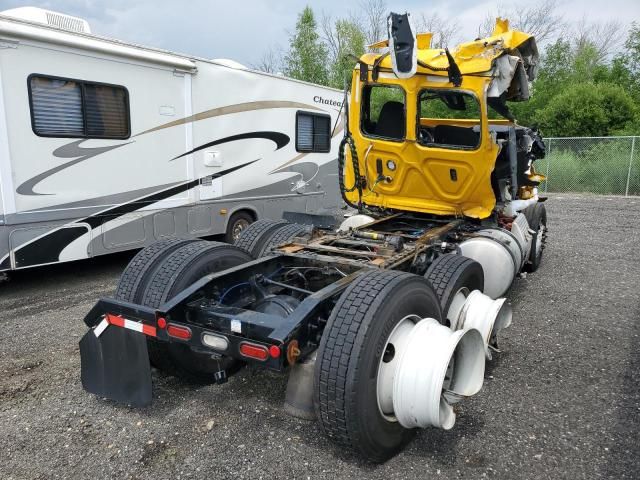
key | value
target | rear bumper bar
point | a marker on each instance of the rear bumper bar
(115, 307)
(235, 326)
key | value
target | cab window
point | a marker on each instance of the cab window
(383, 112)
(448, 119)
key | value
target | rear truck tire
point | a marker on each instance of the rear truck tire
(253, 238)
(453, 277)
(536, 216)
(178, 270)
(350, 352)
(238, 223)
(135, 277)
(282, 234)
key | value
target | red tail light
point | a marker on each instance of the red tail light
(177, 331)
(274, 351)
(251, 350)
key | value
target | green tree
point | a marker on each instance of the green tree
(556, 62)
(307, 56)
(565, 66)
(625, 68)
(553, 76)
(632, 46)
(588, 109)
(349, 40)
(587, 66)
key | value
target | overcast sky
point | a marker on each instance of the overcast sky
(243, 29)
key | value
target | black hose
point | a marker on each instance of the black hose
(348, 140)
(376, 66)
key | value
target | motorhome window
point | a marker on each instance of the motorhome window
(383, 112)
(56, 107)
(72, 108)
(106, 111)
(313, 132)
(448, 119)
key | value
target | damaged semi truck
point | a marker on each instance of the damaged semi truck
(386, 322)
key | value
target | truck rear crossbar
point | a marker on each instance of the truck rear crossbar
(119, 321)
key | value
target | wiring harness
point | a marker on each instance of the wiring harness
(357, 184)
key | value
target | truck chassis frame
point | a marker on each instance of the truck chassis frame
(347, 255)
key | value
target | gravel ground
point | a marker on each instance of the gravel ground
(561, 401)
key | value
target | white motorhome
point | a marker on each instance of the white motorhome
(107, 146)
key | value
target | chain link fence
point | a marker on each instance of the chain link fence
(603, 165)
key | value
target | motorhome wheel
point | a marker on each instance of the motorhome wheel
(238, 223)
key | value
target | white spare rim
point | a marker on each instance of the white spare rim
(427, 368)
(486, 315)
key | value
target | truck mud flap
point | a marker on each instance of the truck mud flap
(115, 365)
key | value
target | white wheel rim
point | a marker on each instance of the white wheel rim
(424, 369)
(398, 339)
(438, 368)
(453, 314)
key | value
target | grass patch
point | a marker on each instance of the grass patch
(590, 165)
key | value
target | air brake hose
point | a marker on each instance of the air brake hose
(348, 140)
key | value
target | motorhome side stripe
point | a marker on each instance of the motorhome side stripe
(280, 139)
(229, 109)
(96, 221)
(70, 150)
(74, 149)
(47, 248)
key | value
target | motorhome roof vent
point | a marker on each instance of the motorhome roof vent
(47, 17)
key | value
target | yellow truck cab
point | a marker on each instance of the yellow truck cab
(426, 143)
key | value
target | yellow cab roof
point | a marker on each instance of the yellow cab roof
(472, 57)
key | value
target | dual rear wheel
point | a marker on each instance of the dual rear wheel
(164, 269)
(365, 335)
(159, 272)
(260, 237)
(354, 343)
